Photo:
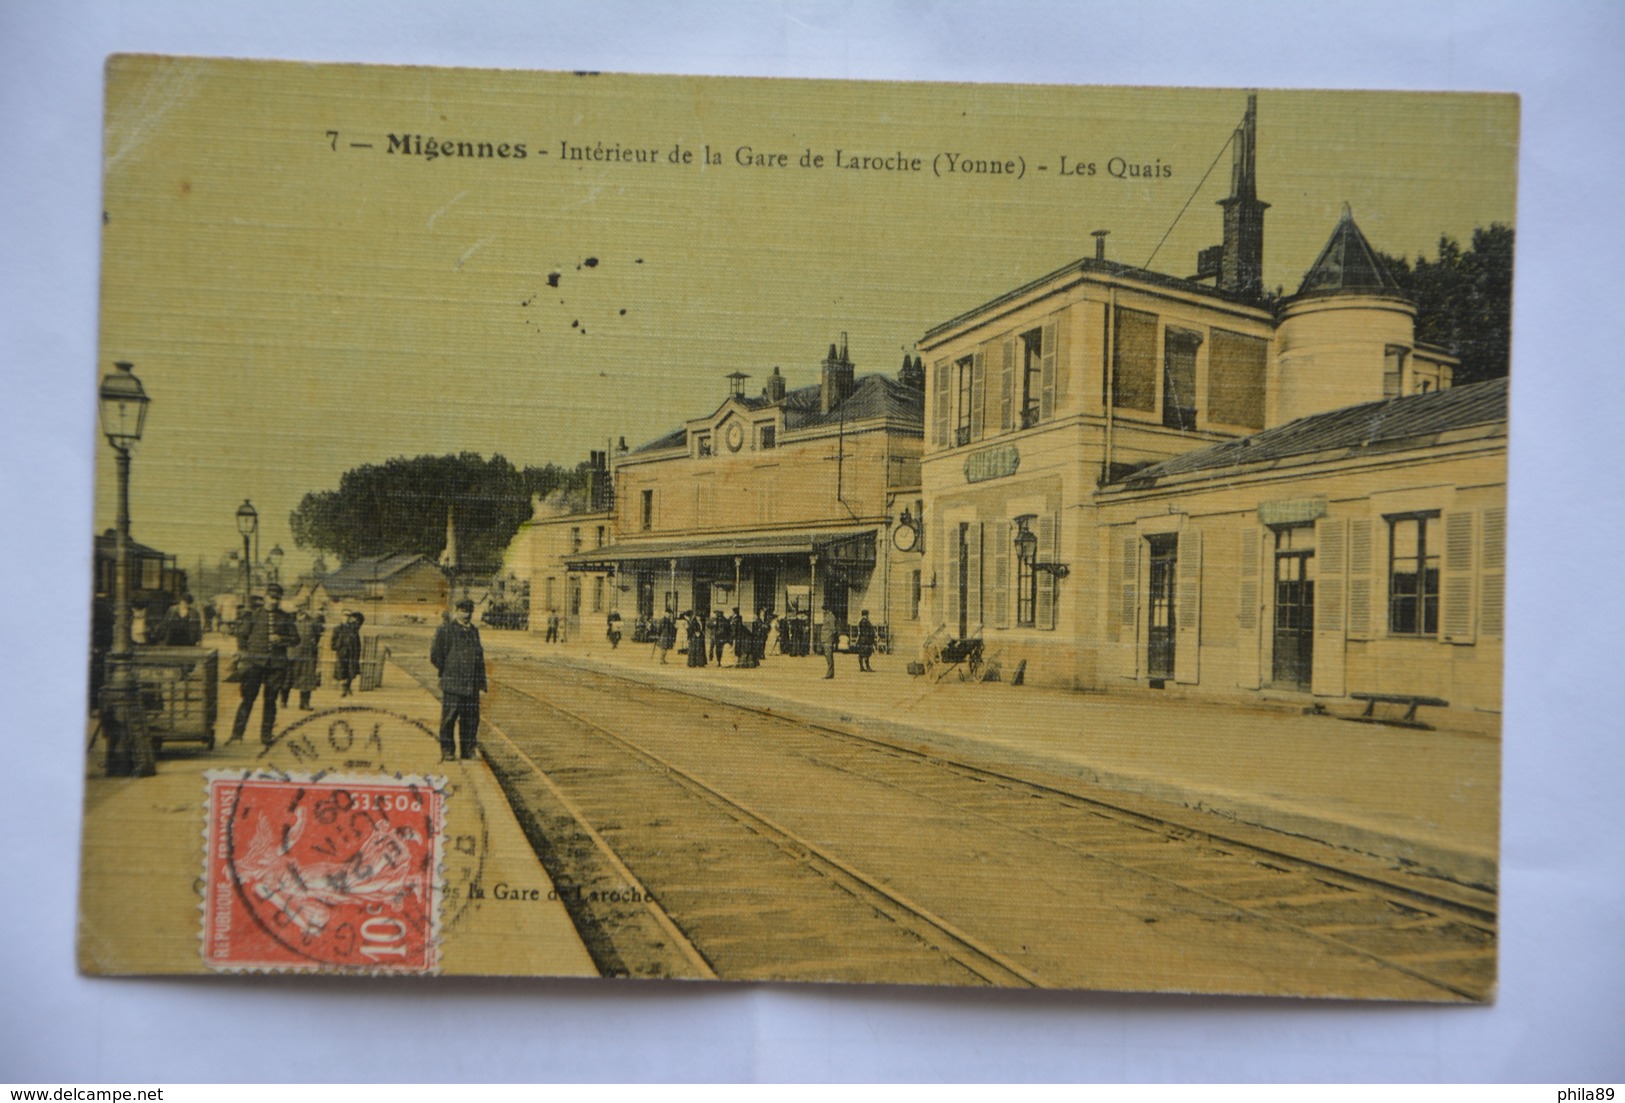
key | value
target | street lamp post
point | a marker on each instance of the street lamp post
(273, 559)
(123, 407)
(248, 522)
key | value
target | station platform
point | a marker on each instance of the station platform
(143, 844)
(1428, 801)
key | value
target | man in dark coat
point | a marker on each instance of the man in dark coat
(182, 625)
(864, 642)
(736, 632)
(456, 653)
(304, 674)
(346, 645)
(263, 637)
(719, 636)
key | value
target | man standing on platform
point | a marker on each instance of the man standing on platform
(263, 636)
(456, 653)
(865, 643)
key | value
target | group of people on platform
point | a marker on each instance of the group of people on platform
(278, 652)
(708, 639)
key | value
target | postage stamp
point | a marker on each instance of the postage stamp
(322, 872)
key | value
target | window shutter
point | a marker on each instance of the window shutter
(1456, 578)
(1002, 541)
(1046, 398)
(1492, 580)
(978, 395)
(1114, 588)
(1044, 607)
(939, 432)
(1247, 606)
(1063, 367)
(1128, 598)
(1328, 673)
(1007, 386)
(1361, 583)
(1188, 627)
(952, 581)
(973, 578)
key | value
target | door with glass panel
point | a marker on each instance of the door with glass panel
(1159, 658)
(1294, 606)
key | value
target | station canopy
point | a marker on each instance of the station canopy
(850, 547)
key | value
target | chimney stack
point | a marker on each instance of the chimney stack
(1100, 243)
(774, 391)
(837, 378)
(1241, 269)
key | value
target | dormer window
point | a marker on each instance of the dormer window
(702, 444)
(768, 437)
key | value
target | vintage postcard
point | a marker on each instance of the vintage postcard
(670, 527)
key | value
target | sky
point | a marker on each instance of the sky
(304, 289)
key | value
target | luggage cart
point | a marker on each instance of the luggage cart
(180, 693)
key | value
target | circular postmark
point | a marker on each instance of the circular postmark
(347, 846)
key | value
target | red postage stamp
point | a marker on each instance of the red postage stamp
(322, 873)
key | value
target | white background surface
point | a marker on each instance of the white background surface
(1560, 1016)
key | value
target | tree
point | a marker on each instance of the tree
(400, 507)
(1464, 300)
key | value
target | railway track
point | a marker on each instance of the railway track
(782, 849)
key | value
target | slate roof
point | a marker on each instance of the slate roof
(1348, 264)
(354, 576)
(1411, 421)
(872, 396)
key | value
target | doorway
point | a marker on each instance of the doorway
(1159, 656)
(1294, 639)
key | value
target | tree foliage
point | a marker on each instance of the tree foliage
(400, 507)
(1464, 300)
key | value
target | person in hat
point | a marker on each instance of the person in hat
(263, 638)
(346, 647)
(457, 654)
(304, 672)
(864, 642)
(182, 626)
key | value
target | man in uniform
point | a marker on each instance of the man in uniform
(263, 636)
(456, 653)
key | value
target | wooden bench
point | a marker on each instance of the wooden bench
(1410, 701)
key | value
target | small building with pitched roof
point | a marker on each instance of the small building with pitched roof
(404, 588)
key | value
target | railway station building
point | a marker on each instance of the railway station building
(785, 500)
(1134, 480)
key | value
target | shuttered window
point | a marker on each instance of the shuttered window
(1179, 378)
(1003, 540)
(1492, 580)
(1046, 404)
(1188, 617)
(1044, 603)
(941, 399)
(1235, 379)
(1456, 578)
(1362, 584)
(973, 579)
(1134, 368)
(978, 412)
(1007, 384)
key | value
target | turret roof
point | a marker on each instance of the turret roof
(1348, 264)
